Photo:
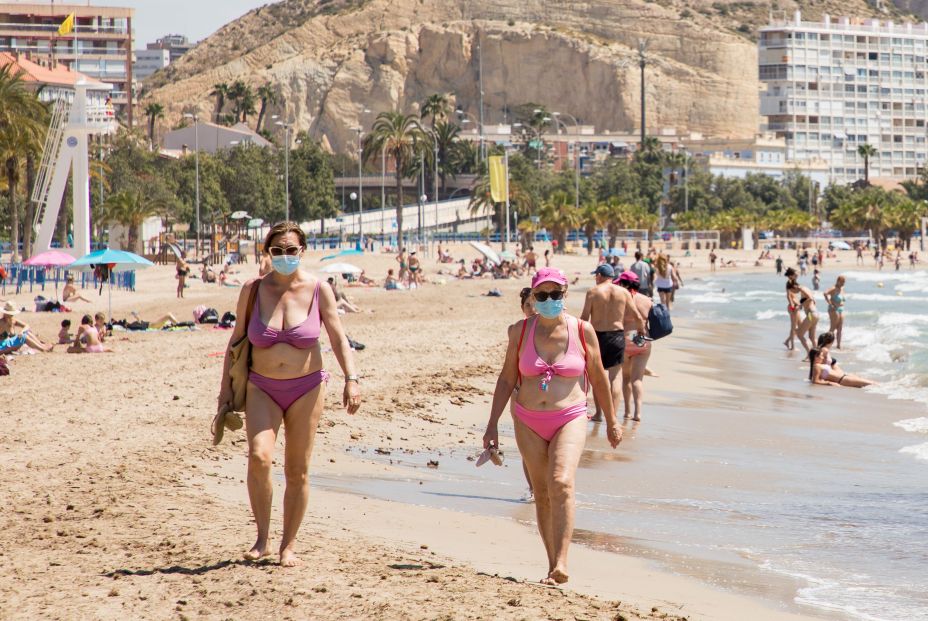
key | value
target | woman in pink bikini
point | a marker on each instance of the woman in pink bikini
(636, 356)
(552, 358)
(285, 383)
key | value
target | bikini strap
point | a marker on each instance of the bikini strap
(519, 350)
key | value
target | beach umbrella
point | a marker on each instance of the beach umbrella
(840, 245)
(342, 253)
(487, 252)
(341, 268)
(239, 215)
(114, 259)
(50, 258)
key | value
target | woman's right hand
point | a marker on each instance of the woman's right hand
(491, 437)
(225, 395)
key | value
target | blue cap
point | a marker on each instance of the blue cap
(605, 270)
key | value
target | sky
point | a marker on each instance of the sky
(195, 18)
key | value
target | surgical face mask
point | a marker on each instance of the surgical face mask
(285, 264)
(549, 309)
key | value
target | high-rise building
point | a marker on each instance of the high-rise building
(148, 62)
(100, 45)
(176, 45)
(832, 86)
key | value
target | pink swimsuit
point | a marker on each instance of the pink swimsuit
(285, 392)
(546, 423)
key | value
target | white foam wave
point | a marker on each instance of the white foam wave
(913, 425)
(711, 298)
(902, 319)
(770, 314)
(883, 297)
(919, 450)
(911, 276)
(907, 387)
(765, 293)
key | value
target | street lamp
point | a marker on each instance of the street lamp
(435, 196)
(422, 199)
(686, 178)
(466, 118)
(286, 127)
(360, 131)
(196, 147)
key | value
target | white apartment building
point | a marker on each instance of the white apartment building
(832, 86)
(148, 62)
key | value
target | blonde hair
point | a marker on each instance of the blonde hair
(661, 264)
(282, 228)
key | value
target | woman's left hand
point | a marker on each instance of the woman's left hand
(351, 398)
(614, 433)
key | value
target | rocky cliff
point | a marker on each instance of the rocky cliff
(332, 59)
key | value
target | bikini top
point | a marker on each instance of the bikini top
(303, 336)
(571, 364)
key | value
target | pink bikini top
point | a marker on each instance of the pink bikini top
(571, 364)
(303, 336)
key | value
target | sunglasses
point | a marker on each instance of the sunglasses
(279, 251)
(542, 296)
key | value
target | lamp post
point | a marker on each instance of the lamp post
(466, 118)
(686, 179)
(576, 154)
(286, 127)
(196, 157)
(435, 196)
(360, 131)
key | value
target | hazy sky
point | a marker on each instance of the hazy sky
(195, 18)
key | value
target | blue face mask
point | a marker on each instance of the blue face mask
(285, 264)
(549, 309)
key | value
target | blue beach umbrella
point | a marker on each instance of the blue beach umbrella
(115, 259)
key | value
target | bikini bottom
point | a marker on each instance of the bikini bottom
(285, 391)
(546, 423)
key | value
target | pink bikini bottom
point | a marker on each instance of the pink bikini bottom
(285, 391)
(546, 423)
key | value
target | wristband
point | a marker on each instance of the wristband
(352, 378)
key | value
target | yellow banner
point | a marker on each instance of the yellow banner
(67, 26)
(497, 178)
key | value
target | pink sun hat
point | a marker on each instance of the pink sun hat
(548, 274)
(627, 275)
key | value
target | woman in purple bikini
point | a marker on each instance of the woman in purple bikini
(552, 358)
(285, 383)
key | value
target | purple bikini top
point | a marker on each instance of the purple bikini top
(303, 336)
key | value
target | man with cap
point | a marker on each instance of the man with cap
(605, 307)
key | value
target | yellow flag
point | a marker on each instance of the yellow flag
(497, 178)
(67, 26)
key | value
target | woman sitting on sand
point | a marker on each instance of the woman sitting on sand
(286, 379)
(390, 283)
(548, 359)
(15, 333)
(835, 298)
(87, 340)
(69, 292)
(823, 373)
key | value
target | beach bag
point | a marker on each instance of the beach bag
(659, 324)
(240, 356)
(210, 315)
(228, 319)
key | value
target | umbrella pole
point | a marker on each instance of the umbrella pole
(110, 316)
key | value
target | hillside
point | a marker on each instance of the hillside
(331, 59)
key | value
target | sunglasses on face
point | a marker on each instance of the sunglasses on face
(279, 251)
(542, 296)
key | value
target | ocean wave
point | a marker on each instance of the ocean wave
(770, 314)
(765, 293)
(902, 319)
(913, 425)
(884, 297)
(908, 387)
(872, 346)
(711, 298)
(919, 450)
(887, 276)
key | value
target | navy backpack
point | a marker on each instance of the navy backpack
(659, 324)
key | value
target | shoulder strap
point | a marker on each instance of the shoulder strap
(519, 349)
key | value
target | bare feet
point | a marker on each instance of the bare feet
(258, 551)
(636, 418)
(558, 576)
(288, 558)
(649, 373)
(597, 418)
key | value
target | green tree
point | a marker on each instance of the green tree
(397, 134)
(250, 183)
(866, 151)
(446, 136)
(131, 209)
(268, 96)
(153, 111)
(865, 211)
(221, 93)
(904, 215)
(559, 215)
(592, 218)
(312, 181)
(437, 107)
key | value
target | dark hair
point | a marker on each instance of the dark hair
(390, 272)
(813, 354)
(638, 255)
(790, 272)
(523, 295)
(282, 228)
(629, 284)
(86, 320)
(65, 323)
(825, 339)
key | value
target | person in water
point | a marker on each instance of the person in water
(835, 298)
(822, 371)
(549, 358)
(286, 382)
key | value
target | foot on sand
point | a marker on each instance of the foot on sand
(636, 418)
(288, 558)
(649, 373)
(558, 576)
(597, 418)
(259, 550)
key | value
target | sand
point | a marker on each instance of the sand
(117, 506)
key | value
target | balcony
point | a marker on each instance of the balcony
(48, 30)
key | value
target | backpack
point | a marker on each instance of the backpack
(228, 319)
(210, 315)
(659, 324)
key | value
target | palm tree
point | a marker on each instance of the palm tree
(559, 216)
(220, 92)
(592, 218)
(268, 95)
(866, 151)
(131, 209)
(395, 134)
(445, 135)
(617, 216)
(246, 104)
(438, 107)
(22, 130)
(153, 111)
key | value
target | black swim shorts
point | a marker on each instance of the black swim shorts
(611, 347)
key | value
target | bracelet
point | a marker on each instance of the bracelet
(352, 378)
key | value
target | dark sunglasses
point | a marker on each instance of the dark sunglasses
(279, 251)
(542, 296)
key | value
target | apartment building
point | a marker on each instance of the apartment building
(148, 62)
(100, 46)
(832, 86)
(176, 45)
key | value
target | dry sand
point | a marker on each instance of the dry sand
(116, 506)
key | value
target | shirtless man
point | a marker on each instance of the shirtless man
(605, 308)
(69, 293)
(530, 260)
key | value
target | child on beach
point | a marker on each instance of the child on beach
(816, 280)
(64, 336)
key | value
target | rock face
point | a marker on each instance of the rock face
(331, 60)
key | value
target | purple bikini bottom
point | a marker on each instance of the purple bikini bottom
(285, 391)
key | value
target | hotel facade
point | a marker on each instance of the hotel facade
(834, 85)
